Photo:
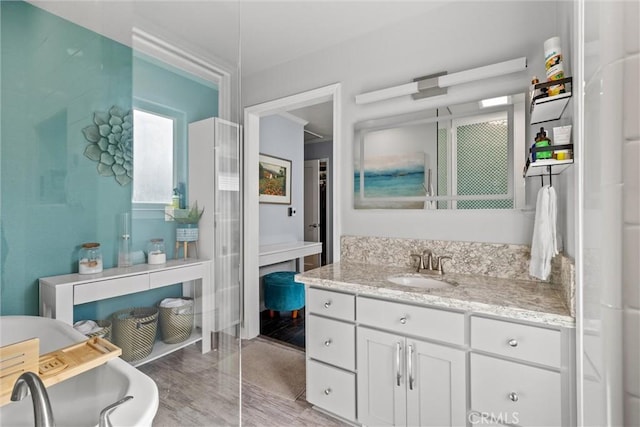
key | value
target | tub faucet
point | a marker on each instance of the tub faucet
(104, 414)
(42, 412)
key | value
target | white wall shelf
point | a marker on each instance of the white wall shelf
(59, 294)
(549, 108)
(547, 166)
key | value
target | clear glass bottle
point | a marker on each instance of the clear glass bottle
(90, 259)
(156, 253)
(124, 241)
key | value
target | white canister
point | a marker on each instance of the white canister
(156, 252)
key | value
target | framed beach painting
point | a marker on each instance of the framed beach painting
(275, 180)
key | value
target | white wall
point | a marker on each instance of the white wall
(454, 37)
(283, 138)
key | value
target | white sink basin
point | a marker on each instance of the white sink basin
(419, 282)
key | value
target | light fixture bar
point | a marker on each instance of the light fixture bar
(444, 81)
(480, 73)
(388, 93)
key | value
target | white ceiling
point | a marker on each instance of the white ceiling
(266, 33)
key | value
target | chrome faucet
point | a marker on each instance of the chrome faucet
(31, 382)
(104, 414)
(428, 263)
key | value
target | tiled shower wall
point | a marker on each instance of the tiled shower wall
(611, 214)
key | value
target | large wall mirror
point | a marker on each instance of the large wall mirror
(464, 156)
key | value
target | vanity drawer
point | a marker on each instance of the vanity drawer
(331, 341)
(332, 304)
(424, 322)
(530, 343)
(104, 289)
(176, 275)
(533, 395)
(331, 389)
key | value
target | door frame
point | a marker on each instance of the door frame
(251, 236)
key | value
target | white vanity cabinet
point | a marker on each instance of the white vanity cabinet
(404, 379)
(421, 365)
(519, 373)
(330, 345)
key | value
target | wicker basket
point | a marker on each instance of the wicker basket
(105, 332)
(176, 323)
(134, 331)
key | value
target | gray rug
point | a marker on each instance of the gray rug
(275, 368)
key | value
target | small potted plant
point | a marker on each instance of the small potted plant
(187, 223)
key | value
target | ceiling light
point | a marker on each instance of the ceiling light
(443, 80)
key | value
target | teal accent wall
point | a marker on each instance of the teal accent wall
(53, 76)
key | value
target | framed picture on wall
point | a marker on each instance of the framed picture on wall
(275, 180)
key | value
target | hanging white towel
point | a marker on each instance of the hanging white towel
(429, 204)
(544, 245)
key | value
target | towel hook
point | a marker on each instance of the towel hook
(550, 179)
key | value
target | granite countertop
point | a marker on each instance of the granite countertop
(511, 298)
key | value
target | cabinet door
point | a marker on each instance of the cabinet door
(381, 378)
(436, 385)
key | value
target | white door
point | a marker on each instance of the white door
(381, 378)
(312, 209)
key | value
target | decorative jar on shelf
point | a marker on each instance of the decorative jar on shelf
(156, 253)
(90, 259)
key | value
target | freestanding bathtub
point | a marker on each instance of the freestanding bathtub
(79, 400)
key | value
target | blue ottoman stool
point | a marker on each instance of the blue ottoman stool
(282, 293)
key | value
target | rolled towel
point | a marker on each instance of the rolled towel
(87, 327)
(174, 302)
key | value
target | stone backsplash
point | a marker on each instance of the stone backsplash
(490, 259)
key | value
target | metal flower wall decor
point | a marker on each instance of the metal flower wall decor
(111, 143)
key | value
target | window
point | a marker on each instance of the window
(153, 163)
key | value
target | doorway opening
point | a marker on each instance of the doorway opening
(255, 259)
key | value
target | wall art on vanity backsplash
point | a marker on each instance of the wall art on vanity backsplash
(490, 259)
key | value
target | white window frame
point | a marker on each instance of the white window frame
(178, 122)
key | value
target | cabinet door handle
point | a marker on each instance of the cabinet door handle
(398, 373)
(327, 391)
(513, 396)
(403, 320)
(327, 304)
(410, 366)
(328, 342)
(513, 342)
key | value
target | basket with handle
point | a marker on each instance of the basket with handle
(105, 332)
(176, 323)
(134, 331)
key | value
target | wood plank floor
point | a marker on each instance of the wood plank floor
(203, 390)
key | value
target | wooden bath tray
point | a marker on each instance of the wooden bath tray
(53, 367)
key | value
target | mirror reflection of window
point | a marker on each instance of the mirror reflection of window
(153, 137)
(482, 160)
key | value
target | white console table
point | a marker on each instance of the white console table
(59, 294)
(281, 252)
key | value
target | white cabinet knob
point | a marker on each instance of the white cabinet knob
(513, 396)
(403, 320)
(327, 304)
(327, 343)
(513, 342)
(328, 391)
